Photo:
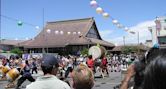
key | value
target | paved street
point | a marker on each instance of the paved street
(100, 83)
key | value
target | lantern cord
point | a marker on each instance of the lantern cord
(13, 19)
(119, 25)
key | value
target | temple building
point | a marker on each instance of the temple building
(66, 37)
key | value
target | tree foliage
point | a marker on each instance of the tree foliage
(17, 51)
(84, 51)
(129, 49)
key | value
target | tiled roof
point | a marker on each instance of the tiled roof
(11, 42)
(51, 39)
(119, 48)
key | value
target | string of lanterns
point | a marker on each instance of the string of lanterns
(19, 22)
(62, 32)
(100, 10)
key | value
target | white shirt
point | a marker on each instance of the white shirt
(48, 82)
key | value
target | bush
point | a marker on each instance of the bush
(17, 51)
(129, 49)
(84, 51)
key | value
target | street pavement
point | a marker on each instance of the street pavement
(100, 83)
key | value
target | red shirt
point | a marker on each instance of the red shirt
(104, 61)
(90, 63)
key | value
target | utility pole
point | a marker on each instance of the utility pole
(138, 37)
(0, 21)
(43, 48)
(124, 40)
(138, 43)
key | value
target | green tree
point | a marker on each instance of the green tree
(17, 51)
(129, 49)
(84, 51)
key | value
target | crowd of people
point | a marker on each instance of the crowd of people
(66, 66)
(146, 69)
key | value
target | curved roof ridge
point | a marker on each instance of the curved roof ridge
(69, 20)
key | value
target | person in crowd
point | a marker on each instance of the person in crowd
(69, 66)
(34, 66)
(49, 80)
(104, 64)
(137, 69)
(75, 62)
(7, 62)
(25, 75)
(90, 63)
(82, 77)
(4, 61)
(155, 72)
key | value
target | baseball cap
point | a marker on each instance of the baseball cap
(49, 61)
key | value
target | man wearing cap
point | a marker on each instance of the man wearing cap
(49, 67)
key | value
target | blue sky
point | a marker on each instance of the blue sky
(130, 13)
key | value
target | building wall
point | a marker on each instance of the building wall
(149, 44)
(162, 32)
(6, 47)
(71, 49)
(155, 33)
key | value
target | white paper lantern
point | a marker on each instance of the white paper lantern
(119, 25)
(99, 10)
(56, 32)
(37, 27)
(106, 15)
(126, 28)
(115, 21)
(68, 33)
(79, 32)
(48, 31)
(93, 3)
(61, 32)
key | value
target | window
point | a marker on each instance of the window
(164, 28)
(162, 40)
